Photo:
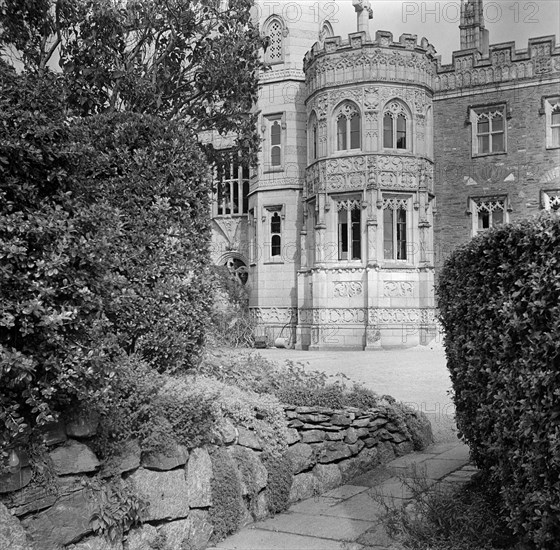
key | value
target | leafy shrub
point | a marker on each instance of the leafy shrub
(231, 324)
(499, 298)
(118, 509)
(280, 478)
(192, 420)
(443, 517)
(133, 409)
(146, 186)
(291, 383)
(54, 346)
(103, 240)
(226, 512)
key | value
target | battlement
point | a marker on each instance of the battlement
(356, 40)
(361, 60)
(504, 63)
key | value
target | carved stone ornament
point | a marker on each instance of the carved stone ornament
(393, 289)
(347, 289)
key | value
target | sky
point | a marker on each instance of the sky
(438, 21)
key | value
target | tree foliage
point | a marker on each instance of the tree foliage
(104, 190)
(195, 59)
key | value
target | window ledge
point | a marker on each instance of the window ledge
(552, 147)
(479, 155)
(395, 151)
(348, 263)
(273, 169)
(347, 152)
(274, 262)
(397, 264)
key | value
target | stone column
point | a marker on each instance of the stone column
(364, 14)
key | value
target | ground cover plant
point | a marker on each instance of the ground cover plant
(445, 517)
(499, 298)
(291, 382)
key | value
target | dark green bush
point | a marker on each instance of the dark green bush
(55, 345)
(104, 247)
(226, 512)
(192, 421)
(499, 298)
(280, 480)
(145, 184)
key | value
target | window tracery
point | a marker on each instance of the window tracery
(396, 122)
(348, 127)
(275, 32)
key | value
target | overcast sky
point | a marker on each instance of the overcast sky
(438, 21)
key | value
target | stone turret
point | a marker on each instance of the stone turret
(473, 33)
(366, 269)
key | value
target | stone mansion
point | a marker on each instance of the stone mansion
(376, 161)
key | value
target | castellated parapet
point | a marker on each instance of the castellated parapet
(359, 60)
(540, 60)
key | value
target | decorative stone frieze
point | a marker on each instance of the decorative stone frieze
(354, 173)
(281, 315)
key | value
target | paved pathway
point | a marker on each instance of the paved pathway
(347, 518)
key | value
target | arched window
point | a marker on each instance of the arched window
(395, 228)
(231, 182)
(313, 130)
(237, 269)
(396, 124)
(554, 140)
(275, 232)
(275, 143)
(274, 30)
(349, 229)
(348, 127)
(429, 133)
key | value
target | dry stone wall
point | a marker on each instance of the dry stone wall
(326, 448)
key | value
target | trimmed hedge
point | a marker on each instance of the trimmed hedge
(499, 300)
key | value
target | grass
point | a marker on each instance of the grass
(446, 517)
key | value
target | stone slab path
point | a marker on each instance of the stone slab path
(347, 518)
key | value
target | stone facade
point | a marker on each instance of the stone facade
(376, 161)
(525, 173)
